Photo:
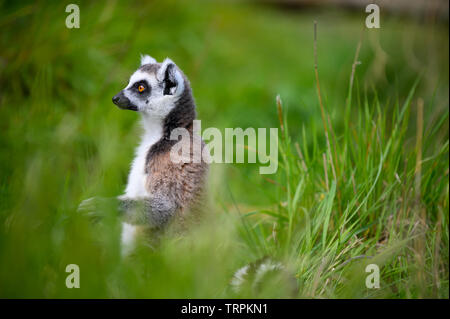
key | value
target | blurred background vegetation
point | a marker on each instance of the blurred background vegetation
(62, 140)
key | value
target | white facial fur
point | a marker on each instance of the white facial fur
(157, 104)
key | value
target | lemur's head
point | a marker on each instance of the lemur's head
(154, 88)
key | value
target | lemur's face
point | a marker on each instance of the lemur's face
(153, 89)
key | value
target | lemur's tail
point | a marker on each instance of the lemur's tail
(261, 277)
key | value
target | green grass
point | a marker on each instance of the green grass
(375, 191)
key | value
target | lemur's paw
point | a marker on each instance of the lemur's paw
(93, 207)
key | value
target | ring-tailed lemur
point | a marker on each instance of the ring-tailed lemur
(159, 189)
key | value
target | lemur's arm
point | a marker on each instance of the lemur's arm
(152, 211)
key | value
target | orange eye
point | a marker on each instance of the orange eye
(141, 88)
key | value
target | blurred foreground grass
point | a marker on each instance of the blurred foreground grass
(62, 140)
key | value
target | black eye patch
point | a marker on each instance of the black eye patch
(141, 87)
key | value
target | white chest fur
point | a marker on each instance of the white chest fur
(137, 177)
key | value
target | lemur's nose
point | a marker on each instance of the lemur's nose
(123, 102)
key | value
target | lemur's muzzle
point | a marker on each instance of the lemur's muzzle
(123, 102)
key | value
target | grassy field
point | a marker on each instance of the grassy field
(362, 178)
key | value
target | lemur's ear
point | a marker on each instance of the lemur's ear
(146, 59)
(171, 77)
